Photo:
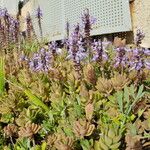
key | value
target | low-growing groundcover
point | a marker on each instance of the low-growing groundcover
(90, 95)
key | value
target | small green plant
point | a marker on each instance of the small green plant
(2, 75)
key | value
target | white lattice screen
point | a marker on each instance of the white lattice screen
(52, 20)
(11, 5)
(112, 15)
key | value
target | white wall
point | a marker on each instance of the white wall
(112, 16)
(11, 5)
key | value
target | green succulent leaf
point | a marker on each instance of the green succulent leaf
(44, 144)
(36, 101)
(115, 146)
(85, 144)
(103, 145)
(120, 100)
(140, 92)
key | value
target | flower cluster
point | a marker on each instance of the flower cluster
(41, 61)
(136, 58)
(4, 13)
(39, 16)
(121, 57)
(99, 48)
(140, 59)
(76, 46)
(9, 27)
(139, 37)
(87, 22)
(14, 29)
(140, 56)
(39, 13)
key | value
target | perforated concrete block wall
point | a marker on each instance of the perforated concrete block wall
(52, 20)
(112, 15)
(11, 5)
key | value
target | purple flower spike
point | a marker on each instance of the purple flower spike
(140, 59)
(139, 37)
(121, 59)
(14, 29)
(41, 61)
(76, 50)
(99, 49)
(4, 13)
(137, 65)
(39, 13)
(87, 20)
(140, 56)
(76, 46)
(39, 16)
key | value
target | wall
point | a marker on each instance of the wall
(140, 15)
(29, 7)
(141, 18)
(52, 20)
(112, 16)
(11, 5)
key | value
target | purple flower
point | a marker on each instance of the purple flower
(1, 12)
(140, 56)
(99, 49)
(41, 61)
(39, 13)
(76, 46)
(120, 62)
(87, 20)
(139, 59)
(139, 37)
(78, 56)
(76, 50)
(4, 13)
(39, 16)
(67, 28)
(146, 52)
(14, 29)
(121, 58)
(23, 57)
(137, 65)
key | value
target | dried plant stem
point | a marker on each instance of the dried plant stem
(33, 141)
(12, 141)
